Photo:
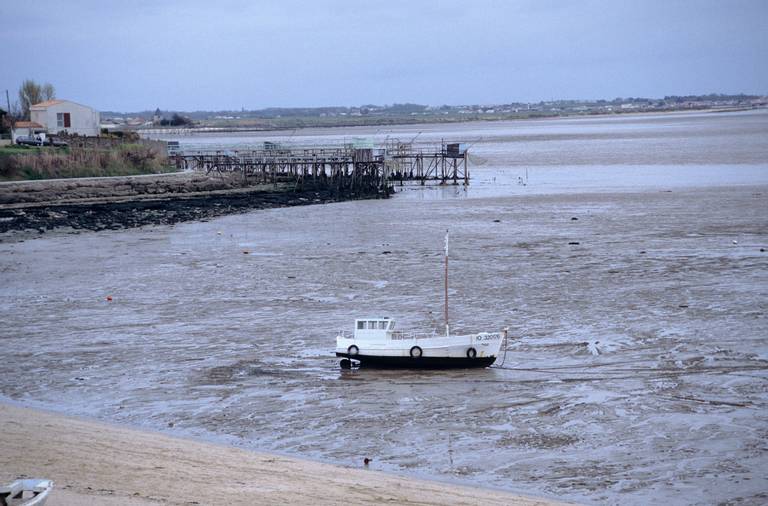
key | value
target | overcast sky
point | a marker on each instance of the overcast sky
(228, 54)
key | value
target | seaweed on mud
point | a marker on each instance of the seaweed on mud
(537, 440)
(223, 374)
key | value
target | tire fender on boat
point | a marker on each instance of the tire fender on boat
(416, 352)
(353, 350)
(471, 353)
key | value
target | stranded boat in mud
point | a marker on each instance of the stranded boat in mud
(375, 342)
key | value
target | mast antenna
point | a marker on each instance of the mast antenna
(447, 330)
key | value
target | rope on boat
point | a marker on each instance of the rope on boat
(504, 357)
(611, 373)
(606, 371)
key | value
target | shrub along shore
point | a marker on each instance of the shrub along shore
(30, 162)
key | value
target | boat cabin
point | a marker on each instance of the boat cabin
(373, 328)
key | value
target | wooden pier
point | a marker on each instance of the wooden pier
(347, 166)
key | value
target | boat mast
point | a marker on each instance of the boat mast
(447, 332)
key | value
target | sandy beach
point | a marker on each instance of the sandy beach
(97, 463)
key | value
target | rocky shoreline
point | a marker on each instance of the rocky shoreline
(83, 206)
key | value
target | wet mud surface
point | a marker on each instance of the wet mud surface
(636, 370)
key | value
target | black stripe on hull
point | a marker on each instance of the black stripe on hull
(419, 363)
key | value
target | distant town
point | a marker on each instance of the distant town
(297, 117)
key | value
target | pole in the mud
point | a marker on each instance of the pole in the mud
(447, 331)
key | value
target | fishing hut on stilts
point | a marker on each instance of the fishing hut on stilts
(350, 167)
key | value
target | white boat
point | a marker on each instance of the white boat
(376, 342)
(29, 492)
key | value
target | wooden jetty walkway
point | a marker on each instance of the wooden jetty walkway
(346, 166)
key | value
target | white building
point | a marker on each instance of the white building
(65, 116)
(26, 129)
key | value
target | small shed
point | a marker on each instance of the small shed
(26, 128)
(455, 150)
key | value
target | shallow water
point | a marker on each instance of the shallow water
(636, 372)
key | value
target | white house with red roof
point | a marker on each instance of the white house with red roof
(58, 116)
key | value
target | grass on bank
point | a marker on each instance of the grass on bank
(18, 163)
(22, 150)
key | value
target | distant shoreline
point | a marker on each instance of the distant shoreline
(436, 120)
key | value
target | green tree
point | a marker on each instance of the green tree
(31, 93)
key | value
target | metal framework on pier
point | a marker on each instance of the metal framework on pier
(349, 163)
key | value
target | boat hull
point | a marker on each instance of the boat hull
(400, 362)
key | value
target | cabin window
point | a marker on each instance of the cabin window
(372, 325)
(63, 120)
(360, 325)
(391, 325)
(382, 325)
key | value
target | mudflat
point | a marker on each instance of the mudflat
(630, 267)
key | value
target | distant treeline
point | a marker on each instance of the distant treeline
(176, 120)
(411, 108)
(712, 97)
(278, 112)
